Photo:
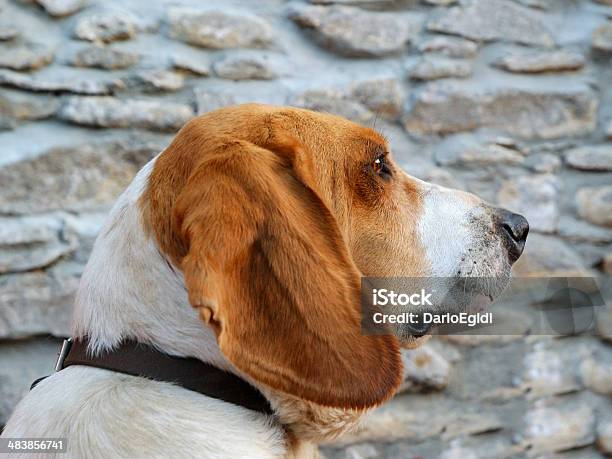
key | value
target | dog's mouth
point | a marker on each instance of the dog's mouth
(418, 328)
(413, 342)
(471, 296)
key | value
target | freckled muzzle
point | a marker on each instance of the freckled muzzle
(497, 239)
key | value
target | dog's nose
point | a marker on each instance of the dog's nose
(513, 229)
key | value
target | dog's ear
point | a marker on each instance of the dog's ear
(268, 269)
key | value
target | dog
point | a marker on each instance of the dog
(242, 245)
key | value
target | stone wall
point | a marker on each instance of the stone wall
(510, 99)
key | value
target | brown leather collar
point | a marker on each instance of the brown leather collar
(138, 359)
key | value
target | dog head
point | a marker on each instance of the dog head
(273, 214)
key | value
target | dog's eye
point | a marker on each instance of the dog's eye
(381, 167)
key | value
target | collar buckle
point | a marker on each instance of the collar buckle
(63, 353)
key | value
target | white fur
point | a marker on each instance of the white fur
(443, 229)
(104, 414)
(456, 229)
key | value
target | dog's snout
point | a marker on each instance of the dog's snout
(514, 229)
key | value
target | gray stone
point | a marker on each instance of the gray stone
(424, 370)
(106, 26)
(543, 163)
(440, 2)
(361, 102)
(596, 373)
(161, 80)
(8, 32)
(207, 101)
(84, 227)
(32, 242)
(555, 428)
(466, 423)
(384, 97)
(604, 315)
(360, 451)
(6, 123)
(25, 56)
(18, 106)
(542, 61)
(480, 447)
(547, 256)
(63, 84)
(196, 66)
(333, 101)
(490, 20)
(511, 326)
(246, 67)
(604, 437)
(355, 32)
(536, 197)
(607, 263)
(60, 8)
(547, 373)
(577, 230)
(217, 29)
(458, 451)
(117, 113)
(590, 158)
(554, 146)
(478, 155)
(539, 4)
(507, 142)
(430, 68)
(21, 363)
(602, 38)
(38, 302)
(418, 418)
(503, 394)
(449, 46)
(87, 177)
(366, 3)
(104, 58)
(595, 204)
(591, 254)
(442, 177)
(443, 108)
(404, 417)
(469, 340)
